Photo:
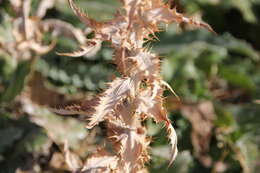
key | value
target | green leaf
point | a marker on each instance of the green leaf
(237, 78)
(8, 136)
(225, 118)
(17, 82)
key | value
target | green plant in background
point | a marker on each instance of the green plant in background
(217, 72)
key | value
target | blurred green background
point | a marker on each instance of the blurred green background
(217, 78)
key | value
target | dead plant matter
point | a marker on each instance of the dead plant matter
(137, 94)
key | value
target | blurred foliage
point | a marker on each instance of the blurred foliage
(221, 69)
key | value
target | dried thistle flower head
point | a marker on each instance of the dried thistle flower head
(125, 103)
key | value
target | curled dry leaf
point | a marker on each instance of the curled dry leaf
(173, 140)
(88, 50)
(170, 88)
(41, 49)
(58, 27)
(28, 31)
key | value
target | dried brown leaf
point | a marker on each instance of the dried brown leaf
(144, 64)
(131, 145)
(119, 89)
(79, 107)
(150, 103)
(88, 50)
(100, 162)
(201, 116)
(58, 27)
(41, 49)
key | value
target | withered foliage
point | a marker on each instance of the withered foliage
(138, 93)
(202, 132)
(28, 30)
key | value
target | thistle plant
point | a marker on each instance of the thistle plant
(137, 94)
